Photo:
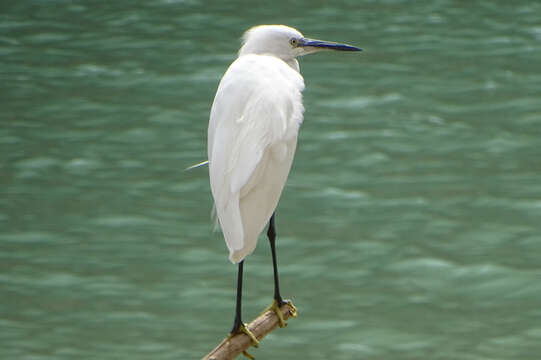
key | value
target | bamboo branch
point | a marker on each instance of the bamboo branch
(232, 346)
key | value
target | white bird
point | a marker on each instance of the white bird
(252, 136)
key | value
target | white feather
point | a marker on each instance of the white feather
(252, 136)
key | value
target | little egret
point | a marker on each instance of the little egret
(252, 136)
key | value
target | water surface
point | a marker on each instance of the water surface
(409, 227)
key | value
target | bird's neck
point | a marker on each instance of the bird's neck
(294, 64)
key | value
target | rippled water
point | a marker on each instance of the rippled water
(409, 228)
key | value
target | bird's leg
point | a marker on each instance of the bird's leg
(271, 234)
(278, 301)
(238, 325)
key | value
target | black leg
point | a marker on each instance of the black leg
(271, 233)
(238, 321)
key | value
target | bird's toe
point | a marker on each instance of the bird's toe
(243, 329)
(276, 308)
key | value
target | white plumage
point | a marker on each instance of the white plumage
(253, 128)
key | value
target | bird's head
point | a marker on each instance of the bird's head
(285, 42)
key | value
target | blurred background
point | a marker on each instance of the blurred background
(409, 227)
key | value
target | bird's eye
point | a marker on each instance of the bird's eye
(293, 42)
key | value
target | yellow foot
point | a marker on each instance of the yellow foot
(249, 356)
(275, 307)
(244, 329)
(293, 308)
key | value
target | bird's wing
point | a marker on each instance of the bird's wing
(258, 104)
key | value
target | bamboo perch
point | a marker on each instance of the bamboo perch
(230, 347)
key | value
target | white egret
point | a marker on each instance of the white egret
(252, 136)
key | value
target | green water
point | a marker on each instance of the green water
(409, 227)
